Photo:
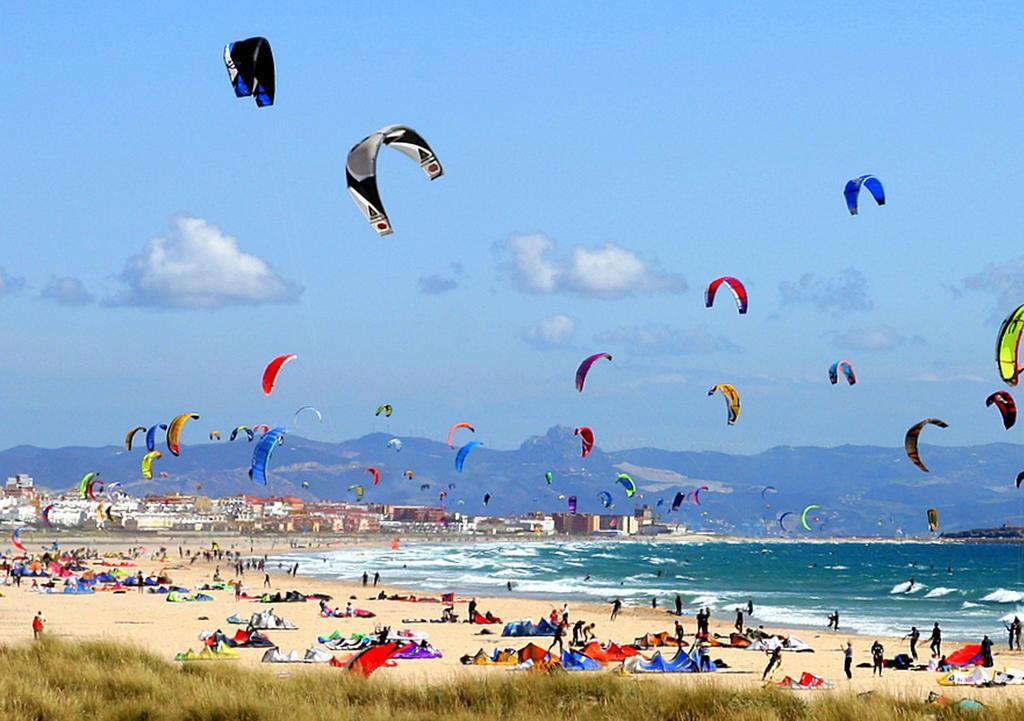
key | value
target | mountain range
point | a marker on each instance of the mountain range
(862, 490)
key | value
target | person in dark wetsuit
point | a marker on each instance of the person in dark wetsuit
(616, 607)
(914, 637)
(877, 658)
(935, 640)
(679, 605)
(750, 607)
(739, 620)
(680, 633)
(559, 635)
(986, 652)
(577, 631)
(773, 662)
(848, 660)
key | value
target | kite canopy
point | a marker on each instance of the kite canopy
(584, 369)
(248, 432)
(910, 442)
(587, 440)
(1006, 405)
(572, 504)
(174, 431)
(263, 451)
(83, 485)
(677, 502)
(16, 539)
(151, 435)
(606, 498)
(782, 519)
(457, 426)
(131, 434)
(739, 292)
(732, 400)
(852, 191)
(627, 483)
(549, 476)
(308, 409)
(846, 368)
(395, 444)
(272, 370)
(386, 409)
(933, 519)
(803, 516)
(372, 470)
(361, 169)
(147, 464)
(250, 65)
(696, 495)
(460, 457)
(1008, 346)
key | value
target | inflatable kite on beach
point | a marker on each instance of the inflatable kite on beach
(174, 431)
(846, 368)
(739, 292)
(262, 453)
(460, 457)
(1008, 346)
(586, 439)
(852, 191)
(910, 442)
(250, 65)
(131, 434)
(147, 464)
(273, 370)
(584, 369)
(1006, 405)
(457, 426)
(361, 169)
(732, 400)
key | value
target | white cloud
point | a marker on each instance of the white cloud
(197, 265)
(609, 271)
(660, 339)
(67, 291)
(554, 332)
(845, 291)
(1003, 280)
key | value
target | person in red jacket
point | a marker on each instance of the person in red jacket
(37, 626)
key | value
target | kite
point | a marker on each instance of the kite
(678, 501)
(549, 476)
(910, 442)
(732, 400)
(933, 519)
(487, 498)
(739, 292)
(358, 489)
(1008, 346)
(273, 369)
(783, 518)
(248, 432)
(131, 434)
(460, 457)
(309, 409)
(627, 483)
(83, 485)
(803, 516)
(1020, 477)
(409, 474)
(572, 504)
(394, 443)
(263, 451)
(214, 435)
(386, 409)
(375, 473)
(852, 191)
(46, 516)
(696, 495)
(151, 435)
(586, 438)
(457, 426)
(1006, 405)
(606, 498)
(16, 539)
(174, 431)
(846, 368)
(584, 369)
(361, 169)
(250, 65)
(147, 464)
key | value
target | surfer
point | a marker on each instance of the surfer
(910, 586)
(774, 662)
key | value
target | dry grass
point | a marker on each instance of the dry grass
(59, 681)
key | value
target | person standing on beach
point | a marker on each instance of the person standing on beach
(774, 662)
(1009, 631)
(654, 602)
(680, 633)
(739, 620)
(848, 660)
(1016, 633)
(616, 607)
(559, 635)
(914, 636)
(577, 630)
(366, 578)
(935, 640)
(376, 578)
(986, 652)
(37, 626)
(266, 580)
(139, 581)
(472, 610)
(679, 605)
(877, 657)
(750, 607)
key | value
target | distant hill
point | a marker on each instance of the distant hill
(863, 490)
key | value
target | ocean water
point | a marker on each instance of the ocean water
(793, 584)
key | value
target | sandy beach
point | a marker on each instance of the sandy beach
(147, 620)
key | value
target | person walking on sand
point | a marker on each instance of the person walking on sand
(37, 626)
(739, 620)
(139, 581)
(774, 662)
(848, 660)
(376, 578)
(914, 636)
(877, 657)
(616, 607)
(935, 640)
(366, 578)
(679, 605)
(266, 580)
(471, 614)
(559, 635)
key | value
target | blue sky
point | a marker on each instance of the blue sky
(602, 164)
